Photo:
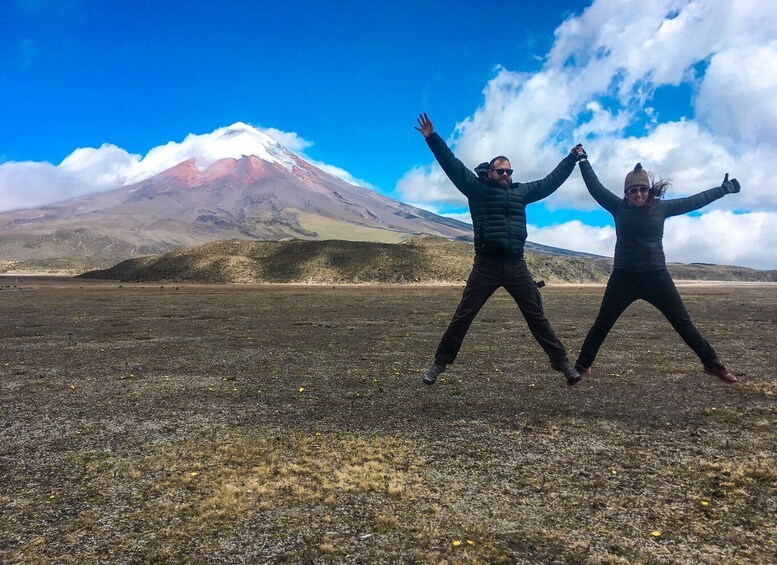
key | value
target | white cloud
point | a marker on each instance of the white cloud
(723, 237)
(736, 99)
(107, 166)
(228, 142)
(600, 77)
(87, 170)
(27, 184)
(289, 139)
(717, 237)
(429, 185)
(576, 235)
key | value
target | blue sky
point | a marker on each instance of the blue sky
(348, 76)
(683, 86)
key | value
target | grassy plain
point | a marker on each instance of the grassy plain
(267, 424)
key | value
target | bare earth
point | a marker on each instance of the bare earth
(268, 424)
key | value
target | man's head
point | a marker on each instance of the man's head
(499, 171)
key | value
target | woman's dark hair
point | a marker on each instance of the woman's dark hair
(657, 188)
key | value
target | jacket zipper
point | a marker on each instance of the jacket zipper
(507, 217)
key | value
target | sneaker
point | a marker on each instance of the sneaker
(722, 373)
(573, 377)
(431, 374)
(584, 371)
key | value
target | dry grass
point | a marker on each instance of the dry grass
(194, 490)
(166, 424)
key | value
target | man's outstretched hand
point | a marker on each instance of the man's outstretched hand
(426, 128)
(578, 152)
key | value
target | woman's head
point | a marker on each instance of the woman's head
(639, 188)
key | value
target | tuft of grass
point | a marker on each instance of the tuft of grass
(385, 522)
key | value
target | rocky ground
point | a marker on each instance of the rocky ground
(268, 424)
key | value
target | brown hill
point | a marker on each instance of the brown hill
(423, 259)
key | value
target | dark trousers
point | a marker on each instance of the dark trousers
(487, 275)
(657, 288)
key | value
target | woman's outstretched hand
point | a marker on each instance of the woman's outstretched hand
(730, 185)
(426, 128)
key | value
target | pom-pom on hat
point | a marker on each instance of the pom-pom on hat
(637, 177)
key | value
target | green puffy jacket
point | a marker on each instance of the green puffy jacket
(498, 214)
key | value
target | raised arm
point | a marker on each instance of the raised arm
(461, 177)
(539, 189)
(679, 206)
(604, 197)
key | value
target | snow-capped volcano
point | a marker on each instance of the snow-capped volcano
(231, 142)
(234, 183)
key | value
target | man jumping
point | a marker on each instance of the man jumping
(497, 206)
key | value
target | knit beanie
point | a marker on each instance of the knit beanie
(637, 177)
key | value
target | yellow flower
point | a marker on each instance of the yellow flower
(470, 542)
(73, 387)
(193, 474)
(704, 503)
(301, 389)
(456, 543)
(656, 534)
(614, 472)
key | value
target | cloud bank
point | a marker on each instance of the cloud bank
(602, 83)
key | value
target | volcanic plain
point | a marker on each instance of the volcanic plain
(172, 423)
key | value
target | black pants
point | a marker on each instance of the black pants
(657, 288)
(487, 275)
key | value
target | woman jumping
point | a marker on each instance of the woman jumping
(640, 266)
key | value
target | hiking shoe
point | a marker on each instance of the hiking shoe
(584, 371)
(722, 373)
(431, 374)
(573, 377)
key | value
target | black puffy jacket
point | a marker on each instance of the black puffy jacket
(498, 214)
(639, 230)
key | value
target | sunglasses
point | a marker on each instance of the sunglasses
(635, 189)
(501, 172)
